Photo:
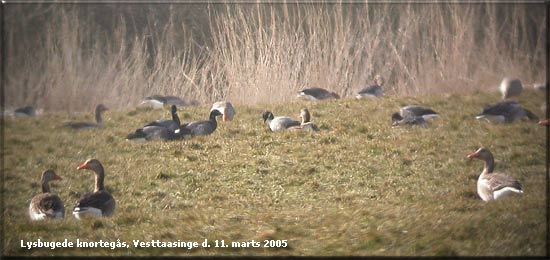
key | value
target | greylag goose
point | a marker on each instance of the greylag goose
(372, 91)
(158, 101)
(27, 111)
(306, 123)
(86, 125)
(200, 128)
(278, 123)
(98, 203)
(510, 88)
(506, 112)
(151, 133)
(172, 124)
(227, 110)
(410, 120)
(47, 205)
(315, 94)
(414, 111)
(491, 185)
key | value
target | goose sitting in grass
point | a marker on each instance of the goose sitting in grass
(510, 88)
(545, 122)
(414, 111)
(278, 123)
(306, 123)
(408, 120)
(88, 125)
(491, 185)
(201, 128)
(372, 91)
(158, 101)
(227, 110)
(46, 205)
(172, 124)
(154, 133)
(98, 203)
(315, 94)
(26, 111)
(506, 112)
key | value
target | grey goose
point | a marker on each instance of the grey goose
(306, 122)
(506, 112)
(280, 123)
(88, 125)
(46, 205)
(316, 94)
(491, 185)
(414, 111)
(226, 109)
(372, 91)
(98, 203)
(510, 88)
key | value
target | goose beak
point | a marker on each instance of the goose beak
(57, 177)
(83, 166)
(224, 117)
(473, 155)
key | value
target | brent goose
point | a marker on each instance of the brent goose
(172, 124)
(506, 112)
(227, 110)
(315, 94)
(47, 205)
(86, 125)
(278, 123)
(491, 185)
(27, 111)
(98, 203)
(201, 128)
(510, 88)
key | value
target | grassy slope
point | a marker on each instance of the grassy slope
(358, 187)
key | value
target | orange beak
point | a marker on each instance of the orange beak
(473, 155)
(224, 117)
(57, 177)
(545, 122)
(83, 166)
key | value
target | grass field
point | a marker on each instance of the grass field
(357, 187)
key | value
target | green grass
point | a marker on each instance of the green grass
(357, 187)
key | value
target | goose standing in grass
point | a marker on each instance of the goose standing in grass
(27, 111)
(201, 128)
(227, 110)
(506, 112)
(98, 203)
(414, 111)
(47, 205)
(278, 123)
(306, 123)
(315, 94)
(86, 125)
(372, 91)
(172, 124)
(510, 88)
(491, 185)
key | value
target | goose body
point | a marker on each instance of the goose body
(201, 128)
(315, 94)
(88, 125)
(27, 111)
(510, 88)
(98, 203)
(372, 91)
(226, 109)
(306, 123)
(159, 101)
(541, 86)
(490, 185)
(278, 123)
(545, 122)
(172, 124)
(408, 121)
(415, 111)
(153, 133)
(46, 205)
(505, 112)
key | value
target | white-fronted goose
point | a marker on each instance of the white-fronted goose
(414, 111)
(506, 112)
(510, 88)
(227, 110)
(491, 185)
(27, 111)
(306, 122)
(278, 123)
(372, 91)
(98, 203)
(201, 128)
(315, 94)
(86, 125)
(172, 124)
(47, 205)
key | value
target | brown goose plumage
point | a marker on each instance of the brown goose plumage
(98, 203)
(47, 205)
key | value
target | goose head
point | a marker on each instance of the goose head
(50, 175)
(305, 115)
(91, 164)
(481, 154)
(267, 115)
(396, 117)
(214, 113)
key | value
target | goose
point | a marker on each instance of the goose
(315, 94)
(172, 124)
(491, 185)
(98, 203)
(510, 88)
(372, 91)
(414, 111)
(306, 123)
(411, 120)
(47, 205)
(151, 133)
(227, 110)
(27, 111)
(201, 128)
(506, 112)
(278, 123)
(545, 122)
(85, 125)
(158, 101)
